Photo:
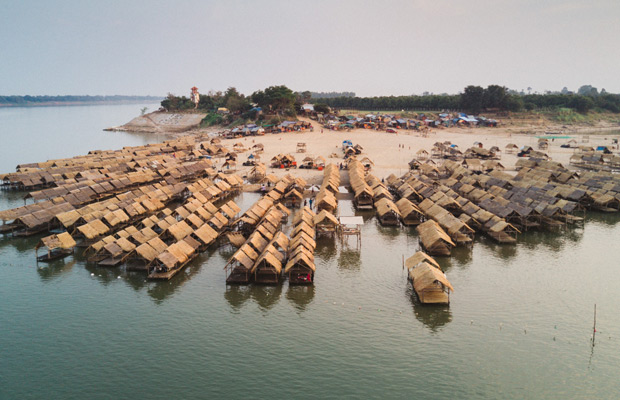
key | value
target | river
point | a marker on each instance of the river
(519, 324)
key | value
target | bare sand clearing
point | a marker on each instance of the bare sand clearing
(383, 148)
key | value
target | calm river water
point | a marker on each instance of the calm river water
(519, 324)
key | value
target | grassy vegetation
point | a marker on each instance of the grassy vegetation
(569, 116)
(211, 119)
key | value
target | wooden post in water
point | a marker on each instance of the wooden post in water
(594, 326)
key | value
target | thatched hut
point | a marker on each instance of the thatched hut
(409, 213)
(325, 223)
(240, 264)
(430, 284)
(387, 213)
(58, 246)
(300, 268)
(173, 259)
(434, 240)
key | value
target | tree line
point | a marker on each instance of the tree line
(274, 99)
(476, 99)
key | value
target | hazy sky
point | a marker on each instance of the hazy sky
(373, 48)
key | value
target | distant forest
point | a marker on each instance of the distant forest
(42, 100)
(331, 95)
(476, 99)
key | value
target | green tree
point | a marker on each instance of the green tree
(472, 99)
(495, 97)
(588, 90)
(582, 104)
(235, 101)
(321, 108)
(278, 99)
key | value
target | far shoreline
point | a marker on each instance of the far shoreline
(77, 103)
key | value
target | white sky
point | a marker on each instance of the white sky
(373, 48)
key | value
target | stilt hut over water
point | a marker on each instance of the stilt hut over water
(363, 198)
(325, 223)
(268, 267)
(387, 213)
(410, 214)
(434, 240)
(240, 265)
(58, 246)
(300, 268)
(428, 280)
(174, 259)
(430, 284)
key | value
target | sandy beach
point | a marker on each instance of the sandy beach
(383, 148)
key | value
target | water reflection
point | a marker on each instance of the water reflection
(462, 255)
(553, 241)
(325, 247)
(300, 296)
(104, 275)
(23, 245)
(391, 233)
(349, 259)
(434, 317)
(160, 291)
(366, 215)
(602, 218)
(266, 296)
(54, 269)
(237, 295)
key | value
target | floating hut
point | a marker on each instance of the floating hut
(300, 268)
(387, 213)
(268, 267)
(174, 259)
(430, 284)
(434, 240)
(325, 223)
(240, 265)
(58, 246)
(410, 214)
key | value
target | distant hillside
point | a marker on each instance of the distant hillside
(30, 101)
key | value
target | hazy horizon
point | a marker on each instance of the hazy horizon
(392, 48)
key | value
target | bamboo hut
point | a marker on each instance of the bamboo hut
(240, 264)
(434, 240)
(58, 246)
(174, 259)
(430, 284)
(418, 258)
(325, 223)
(145, 254)
(268, 267)
(409, 213)
(293, 198)
(387, 213)
(300, 268)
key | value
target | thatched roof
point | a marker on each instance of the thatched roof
(325, 218)
(431, 234)
(425, 276)
(61, 240)
(386, 206)
(419, 257)
(206, 234)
